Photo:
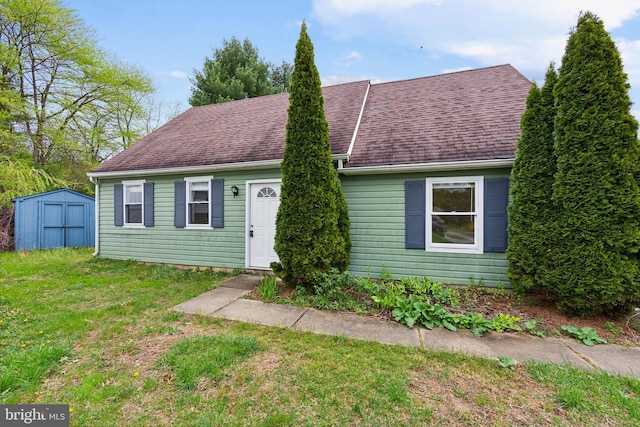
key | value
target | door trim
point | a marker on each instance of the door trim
(247, 216)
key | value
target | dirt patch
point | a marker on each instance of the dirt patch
(463, 398)
(150, 348)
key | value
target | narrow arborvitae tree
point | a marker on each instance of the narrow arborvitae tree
(312, 225)
(594, 254)
(531, 211)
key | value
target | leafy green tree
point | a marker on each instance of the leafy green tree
(594, 252)
(237, 72)
(67, 88)
(51, 60)
(312, 224)
(531, 211)
(19, 177)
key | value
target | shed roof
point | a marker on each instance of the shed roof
(461, 116)
(62, 192)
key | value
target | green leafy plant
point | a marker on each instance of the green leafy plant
(585, 335)
(476, 323)
(435, 315)
(415, 286)
(417, 309)
(506, 362)
(385, 275)
(335, 290)
(267, 288)
(407, 310)
(532, 327)
(442, 294)
(387, 294)
(611, 327)
(504, 322)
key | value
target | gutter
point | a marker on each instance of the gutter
(187, 169)
(94, 180)
(428, 167)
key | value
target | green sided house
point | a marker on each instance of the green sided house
(424, 165)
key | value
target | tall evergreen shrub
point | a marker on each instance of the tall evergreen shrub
(312, 225)
(531, 212)
(594, 252)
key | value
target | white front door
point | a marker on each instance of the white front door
(265, 199)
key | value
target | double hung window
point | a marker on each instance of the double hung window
(454, 214)
(133, 202)
(198, 202)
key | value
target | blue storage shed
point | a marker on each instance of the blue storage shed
(57, 219)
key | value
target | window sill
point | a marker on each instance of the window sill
(456, 250)
(198, 227)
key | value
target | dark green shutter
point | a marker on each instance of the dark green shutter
(414, 214)
(118, 205)
(148, 204)
(217, 203)
(180, 204)
(496, 199)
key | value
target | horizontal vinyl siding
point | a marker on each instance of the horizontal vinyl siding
(376, 210)
(164, 243)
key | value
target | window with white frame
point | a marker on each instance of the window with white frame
(133, 202)
(454, 214)
(198, 201)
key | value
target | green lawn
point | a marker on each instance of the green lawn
(98, 335)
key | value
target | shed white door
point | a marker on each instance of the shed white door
(265, 199)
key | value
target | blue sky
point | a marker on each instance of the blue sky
(380, 40)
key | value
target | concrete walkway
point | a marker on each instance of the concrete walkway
(226, 302)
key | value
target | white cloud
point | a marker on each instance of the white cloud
(455, 70)
(356, 7)
(337, 80)
(630, 52)
(176, 74)
(352, 56)
(524, 33)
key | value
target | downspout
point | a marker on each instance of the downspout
(94, 180)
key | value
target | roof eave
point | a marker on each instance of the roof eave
(261, 164)
(429, 167)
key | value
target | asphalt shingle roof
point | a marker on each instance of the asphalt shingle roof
(467, 115)
(241, 131)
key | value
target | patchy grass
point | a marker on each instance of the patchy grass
(115, 353)
(206, 357)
